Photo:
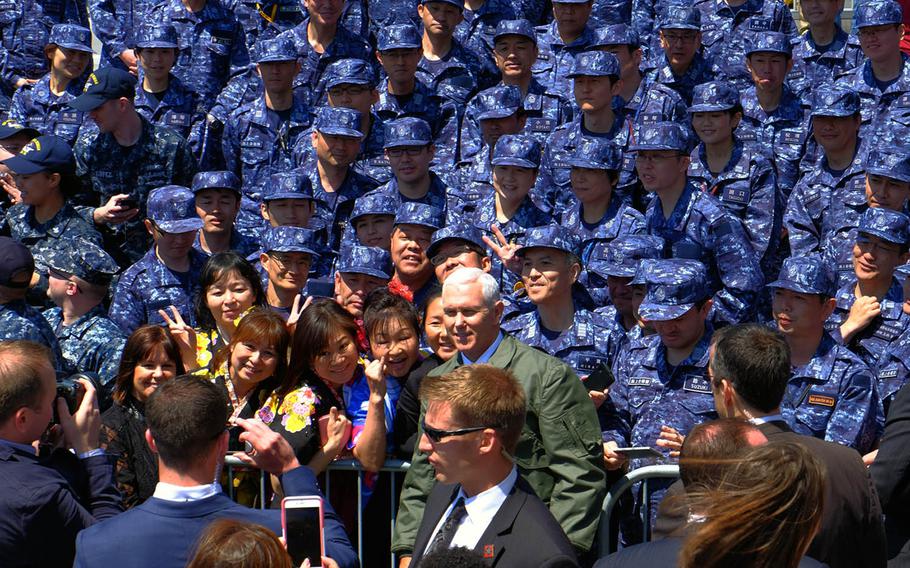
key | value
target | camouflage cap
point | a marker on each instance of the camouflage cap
(502, 101)
(885, 224)
(339, 121)
(674, 286)
(457, 3)
(407, 131)
(173, 209)
(275, 50)
(877, 13)
(43, 154)
(289, 239)
(808, 274)
(595, 64)
(835, 100)
(350, 71)
(769, 42)
(517, 150)
(522, 28)
(156, 35)
(622, 256)
(714, 96)
(216, 180)
(615, 34)
(375, 204)
(892, 163)
(549, 236)
(288, 185)
(398, 36)
(372, 261)
(456, 232)
(677, 17)
(71, 36)
(662, 136)
(84, 260)
(413, 213)
(597, 154)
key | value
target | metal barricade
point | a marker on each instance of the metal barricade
(643, 475)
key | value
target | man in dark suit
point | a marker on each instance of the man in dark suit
(186, 419)
(891, 473)
(749, 370)
(40, 511)
(474, 417)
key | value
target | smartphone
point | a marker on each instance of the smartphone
(128, 203)
(320, 288)
(600, 378)
(302, 525)
(641, 453)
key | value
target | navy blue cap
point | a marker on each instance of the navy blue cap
(372, 261)
(398, 36)
(877, 13)
(456, 232)
(10, 128)
(457, 3)
(374, 204)
(549, 236)
(71, 36)
(714, 96)
(339, 121)
(216, 180)
(888, 225)
(807, 274)
(519, 150)
(674, 285)
(407, 131)
(16, 264)
(288, 185)
(891, 163)
(835, 100)
(350, 71)
(43, 154)
(413, 213)
(501, 101)
(522, 28)
(678, 17)
(570, 1)
(622, 256)
(289, 239)
(85, 260)
(156, 35)
(769, 42)
(595, 64)
(173, 209)
(662, 136)
(275, 50)
(597, 154)
(615, 34)
(105, 84)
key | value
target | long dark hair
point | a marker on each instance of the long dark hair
(218, 265)
(317, 326)
(262, 324)
(142, 343)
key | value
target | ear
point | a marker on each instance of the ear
(149, 227)
(575, 271)
(150, 441)
(737, 118)
(263, 259)
(828, 308)
(489, 442)
(54, 179)
(617, 87)
(636, 57)
(486, 264)
(259, 70)
(264, 211)
(790, 62)
(374, 98)
(71, 288)
(498, 309)
(20, 418)
(728, 393)
(706, 309)
(313, 138)
(379, 57)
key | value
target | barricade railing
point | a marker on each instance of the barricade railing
(643, 475)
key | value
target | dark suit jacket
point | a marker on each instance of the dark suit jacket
(891, 473)
(162, 534)
(40, 511)
(851, 533)
(522, 534)
(662, 554)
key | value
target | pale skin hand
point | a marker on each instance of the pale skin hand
(271, 452)
(862, 312)
(326, 563)
(599, 397)
(504, 250)
(375, 372)
(670, 438)
(870, 457)
(612, 460)
(81, 430)
(335, 428)
(297, 311)
(23, 82)
(128, 57)
(111, 213)
(9, 186)
(184, 334)
(404, 562)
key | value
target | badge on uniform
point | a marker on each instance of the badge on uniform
(489, 551)
(757, 24)
(888, 374)
(821, 400)
(696, 383)
(639, 381)
(736, 195)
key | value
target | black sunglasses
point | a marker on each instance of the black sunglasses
(436, 436)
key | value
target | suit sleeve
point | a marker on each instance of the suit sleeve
(302, 481)
(104, 500)
(891, 468)
(414, 492)
(570, 434)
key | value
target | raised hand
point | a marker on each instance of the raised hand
(184, 334)
(504, 250)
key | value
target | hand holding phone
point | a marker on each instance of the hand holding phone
(303, 528)
(638, 453)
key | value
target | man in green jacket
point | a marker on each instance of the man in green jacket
(560, 452)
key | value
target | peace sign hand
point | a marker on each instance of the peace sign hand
(297, 311)
(504, 250)
(184, 334)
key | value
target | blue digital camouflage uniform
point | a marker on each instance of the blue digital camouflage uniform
(871, 342)
(847, 211)
(212, 46)
(92, 343)
(478, 28)
(813, 67)
(265, 19)
(893, 368)
(581, 345)
(24, 31)
(242, 244)
(806, 216)
(288, 239)
(747, 186)
(65, 11)
(345, 45)
(620, 218)
(699, 228)
(456, 77)
(885, 111)
(555, 59)
(373, 203)
(37, 107)
(649, 392)
(423, 215)
(115, 22)
(726, 32)
(149, 285)
(544, 108)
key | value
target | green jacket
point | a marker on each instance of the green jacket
(560, 453)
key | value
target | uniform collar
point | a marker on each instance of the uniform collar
(82, 324)
(821, 365)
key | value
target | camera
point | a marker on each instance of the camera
(72, 391)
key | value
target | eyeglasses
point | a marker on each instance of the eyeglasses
(679, 38)
(441, 258)
(873, 31)
(412, 151)
(351, 90)
(867, 244)
(436, 435)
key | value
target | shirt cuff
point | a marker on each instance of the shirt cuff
(91, 453)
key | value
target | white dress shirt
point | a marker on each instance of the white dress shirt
(181, 494)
